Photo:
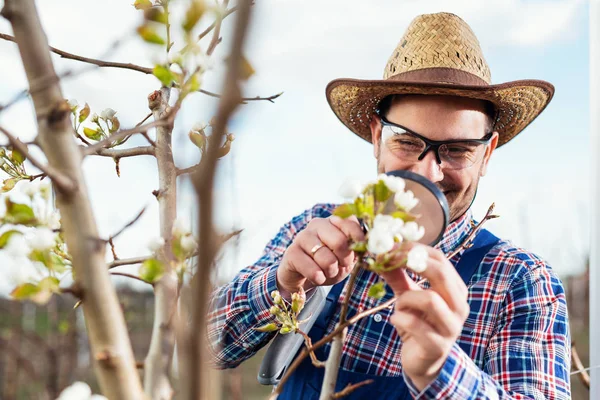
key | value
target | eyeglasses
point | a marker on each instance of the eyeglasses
(449, 154)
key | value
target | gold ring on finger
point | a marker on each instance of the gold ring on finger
(316, 248)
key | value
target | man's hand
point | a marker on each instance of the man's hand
(428, 321)
(329, 264)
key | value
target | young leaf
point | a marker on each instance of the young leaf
(345, 210)
(151, 270)
(8, 185)
(246, 69)
(115, 124)
(198, 139)
(5, 237)
(93, 134)
(382, 193)
(149, 35)
(164, 74)
(272, 327)
(142, 4)
(17, 157)
(403, 216)
(359, 247)
(19, 214)
(84, 113)
(193, 14)
(24, 291)
(156, 15)
(377, 290)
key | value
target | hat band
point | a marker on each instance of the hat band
(440, 75)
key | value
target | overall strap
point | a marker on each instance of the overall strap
(474, 255)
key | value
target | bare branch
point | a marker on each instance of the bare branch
(187, 170)
(122, 153)
(351, 388)
(243, 100)
(212, 26)
(93, 61)
(129, 224)
(63, 182)
(579, 368)
(114, 362)
(128, 261)
(467, 242)
(196, 370)
(130, 276)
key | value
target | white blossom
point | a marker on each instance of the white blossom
(21, 270)
(94, 117)
(156, 243)
(79, 391)
(417, 259)
(199, 126)
(17, 246)
(29, 188)
(107, 113)
(42, 239)
(394, 183)
(73, 103)
(412, 231)
(388, 223)
(53, 220)
(380, 241)
(406, 200)
(180, 227)
(188, 243)
(351, 189)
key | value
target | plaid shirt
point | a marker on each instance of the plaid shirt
(515, 344)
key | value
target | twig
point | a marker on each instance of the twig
(349, 288)
(128, 261)
(187, 170)
(112, 248)
(351, 388)
(93, 61)
(215, 39)
(466, 243)
(243, 100)
(580, 369)
(166, 120)
(62, 181)
(133, 221)
(131, 276)
(212, 26)
(325, 340)
(225, 238)
(313, 356)
(123, 153)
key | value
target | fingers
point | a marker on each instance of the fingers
(304, 265)
(349, 226)
(411, 325)
(434, 310)
(399, 281)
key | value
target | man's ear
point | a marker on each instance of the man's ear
(375, 126)
(488, 153)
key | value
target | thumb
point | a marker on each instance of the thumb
(399, 281)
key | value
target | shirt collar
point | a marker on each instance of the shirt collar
(456, 232)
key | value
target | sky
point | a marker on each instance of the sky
(293, 153)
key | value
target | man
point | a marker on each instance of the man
(501, 331)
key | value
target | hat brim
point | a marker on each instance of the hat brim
(517, 103)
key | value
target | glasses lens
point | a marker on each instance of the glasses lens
(460, 154)
(402, 144)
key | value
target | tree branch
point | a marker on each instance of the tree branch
(63, 182)
(579, 368)
(122, 153)
(243, 100)
(130, 276)
(467, 242)
(351, 388)
(107, 332)
(197, 385)
(128, 261)
(93, 61)
(214, 24)
(187, 170)
(158, 360)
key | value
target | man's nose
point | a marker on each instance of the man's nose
(429, 168)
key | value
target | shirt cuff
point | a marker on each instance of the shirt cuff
(259, 292)
(459, 378)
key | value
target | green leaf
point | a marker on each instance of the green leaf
(5, 237)
(156, 15)
(151, 270)
(49, 283)
(149, 35)
(19, 214)
(345, 210)
(164, 74)
(142, 4)
(272, 327)
(377, 290)
(93, 134)
(17, 157)
(360, 247)
(84, 113)
(382, 193)
(246, 69)
(193, 14)
(8, 185)
(198, 139)
(403, 216)
(192, 84)
(24, 291)
(177, 249)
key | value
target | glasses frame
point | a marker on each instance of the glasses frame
(434, 145)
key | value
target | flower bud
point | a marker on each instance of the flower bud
(274, 310)
(272, 327)
(298, 300)
(285, 329)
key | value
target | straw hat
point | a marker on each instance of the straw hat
(439, 55)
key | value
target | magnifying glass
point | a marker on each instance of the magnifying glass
(432, 213)
(432, 210)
